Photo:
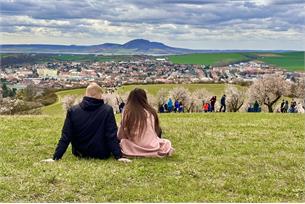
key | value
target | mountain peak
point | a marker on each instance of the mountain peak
(139, 40)
(142, 44)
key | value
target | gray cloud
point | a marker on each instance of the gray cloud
(168, 19)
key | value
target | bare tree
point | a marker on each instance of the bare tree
(300, 89)
(268, 91)
(162, 96)
(152, 100)
(235, 98)
(69, 101)
(112, 100)
(123, 97)
(197, 98)
(182, 95)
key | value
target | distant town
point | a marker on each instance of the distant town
(66, 75)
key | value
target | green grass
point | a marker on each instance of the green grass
(209, 58)
(153, 89)
(221, 157)
(292, 61)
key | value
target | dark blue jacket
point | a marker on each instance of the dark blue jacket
(223, 101)
(91, 129)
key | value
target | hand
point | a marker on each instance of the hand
(171, 152)
(48, 160)
(124, 160)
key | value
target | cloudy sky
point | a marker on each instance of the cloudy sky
(199, 24)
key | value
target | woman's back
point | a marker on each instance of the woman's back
(140, 128)
(148, 144)
(148, 135)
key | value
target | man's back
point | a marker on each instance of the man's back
(223, 100)
(91, 129)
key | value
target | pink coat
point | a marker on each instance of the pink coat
(147, 145)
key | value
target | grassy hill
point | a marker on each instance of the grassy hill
(221, 157)
(153, 89)
(56, 108)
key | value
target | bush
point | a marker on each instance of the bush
(17, 106)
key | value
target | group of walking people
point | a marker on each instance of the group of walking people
(254, 107)
(178, 107)
(285, 108)
(91, 129)
(169, 107)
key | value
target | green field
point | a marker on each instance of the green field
(292, 61)
(209, 58)
(222, 157)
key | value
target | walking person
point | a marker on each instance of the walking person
(161, 108)
(170, 105)
(282, 106)
(223, 103)
(165, 107)
(256, 107)
(181, 107)
(213, 101)
(286, 107)
(121, 106)
(176, 106)
(206, 107)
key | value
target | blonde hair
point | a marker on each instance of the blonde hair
(94, 91)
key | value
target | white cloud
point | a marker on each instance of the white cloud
(193, 23)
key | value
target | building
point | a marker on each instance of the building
(47, 73)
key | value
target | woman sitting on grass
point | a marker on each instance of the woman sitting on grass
(140, 133)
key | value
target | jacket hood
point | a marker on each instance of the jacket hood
(90, 104)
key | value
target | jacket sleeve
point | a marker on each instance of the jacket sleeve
(111, 135)
(65, 138)
(121, 133)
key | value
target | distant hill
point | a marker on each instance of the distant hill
(133, 47)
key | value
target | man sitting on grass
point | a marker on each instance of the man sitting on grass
(91, 129)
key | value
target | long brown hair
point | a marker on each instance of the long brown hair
(135, 116)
